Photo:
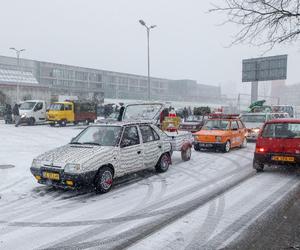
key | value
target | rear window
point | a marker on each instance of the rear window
(282, 130)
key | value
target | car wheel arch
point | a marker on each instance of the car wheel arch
(109, 165)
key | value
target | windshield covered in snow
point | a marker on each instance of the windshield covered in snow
(253, 118)
(27, 105)
(99, 135)
(282, 130)
(142, 111)
(216, 125)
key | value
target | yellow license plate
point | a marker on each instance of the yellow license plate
(51, 176)
(283, 158)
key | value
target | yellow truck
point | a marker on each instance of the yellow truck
(65, 112)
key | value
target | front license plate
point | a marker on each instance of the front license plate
(205, 145)
(51, 176)
(283, 158)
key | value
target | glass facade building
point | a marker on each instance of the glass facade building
(96, 84)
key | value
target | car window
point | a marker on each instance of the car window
(130, 137)
(148, 134)
(216, 125)
(234, 125)
(68, 107)
(39, 106)
(282, 130)
(241, 125)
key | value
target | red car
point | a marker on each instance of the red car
(278, 143)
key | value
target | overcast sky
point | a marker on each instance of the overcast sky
(188, 43)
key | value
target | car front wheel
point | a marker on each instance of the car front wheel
(259, 167)
(226, 147)
(104, 180)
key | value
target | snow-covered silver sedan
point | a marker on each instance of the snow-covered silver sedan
(100, 153)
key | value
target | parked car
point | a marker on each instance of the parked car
(278, 143)
(62, 113)
(32, 112)
(103, 152)
(221, 132)
(193, 123)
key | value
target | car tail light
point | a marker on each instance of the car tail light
(260, 150)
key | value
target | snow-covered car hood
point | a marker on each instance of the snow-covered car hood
(79, 154)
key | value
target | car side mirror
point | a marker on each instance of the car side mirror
(47, 110)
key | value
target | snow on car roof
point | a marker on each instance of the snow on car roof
(122, 123)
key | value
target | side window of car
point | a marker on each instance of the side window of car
(147, 133)
(156, 136)
(234, 125)
(39, 106)
(130, 137)
(241, 125)
(68, 107)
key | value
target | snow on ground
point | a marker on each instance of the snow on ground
(206, 202)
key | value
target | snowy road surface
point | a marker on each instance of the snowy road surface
(206, 203)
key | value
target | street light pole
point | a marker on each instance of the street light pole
(148, 28)
(18, 51)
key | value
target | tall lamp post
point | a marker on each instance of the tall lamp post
(18, 51)
(148, 28)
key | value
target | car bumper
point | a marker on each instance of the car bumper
(208, 145)
(66, 180)
(267, 159)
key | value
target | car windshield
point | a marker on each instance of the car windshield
(194, 118)
(142, 111)
(282, 130)
(253, 118)
(56, 106)
(99, 135)
(27, 105)
(216, 125)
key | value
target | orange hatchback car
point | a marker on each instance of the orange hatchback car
(221, 132)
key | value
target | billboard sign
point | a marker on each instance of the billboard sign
(265, 69)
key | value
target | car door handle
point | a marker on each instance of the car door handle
(159, 146)
(138, 152)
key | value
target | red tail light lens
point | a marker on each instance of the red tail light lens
(259, 150)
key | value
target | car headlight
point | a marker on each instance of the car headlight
(218, 138)
(36, 163)
(24, 115)
(72, 168)
(255, 130)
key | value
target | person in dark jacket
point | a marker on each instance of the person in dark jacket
(16, 114)
(8, 114)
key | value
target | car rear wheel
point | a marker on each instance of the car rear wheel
(259, 167)
(226, 147)
(163, 163)
(104, 180)
(186, 154)
(63, 123)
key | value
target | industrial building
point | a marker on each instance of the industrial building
(96, 84)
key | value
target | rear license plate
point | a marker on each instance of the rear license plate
(51, 176)
(283, 158)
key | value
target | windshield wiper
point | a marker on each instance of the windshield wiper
(75, 142)
(92, 143)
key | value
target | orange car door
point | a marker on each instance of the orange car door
(242, 131)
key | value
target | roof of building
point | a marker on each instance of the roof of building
(8, 76)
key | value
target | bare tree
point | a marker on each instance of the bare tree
(263, 22)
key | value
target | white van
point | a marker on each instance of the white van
(33, 111)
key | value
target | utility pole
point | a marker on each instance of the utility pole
(18, 51)
(148, 28)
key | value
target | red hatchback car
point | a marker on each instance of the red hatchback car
(278, 143)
